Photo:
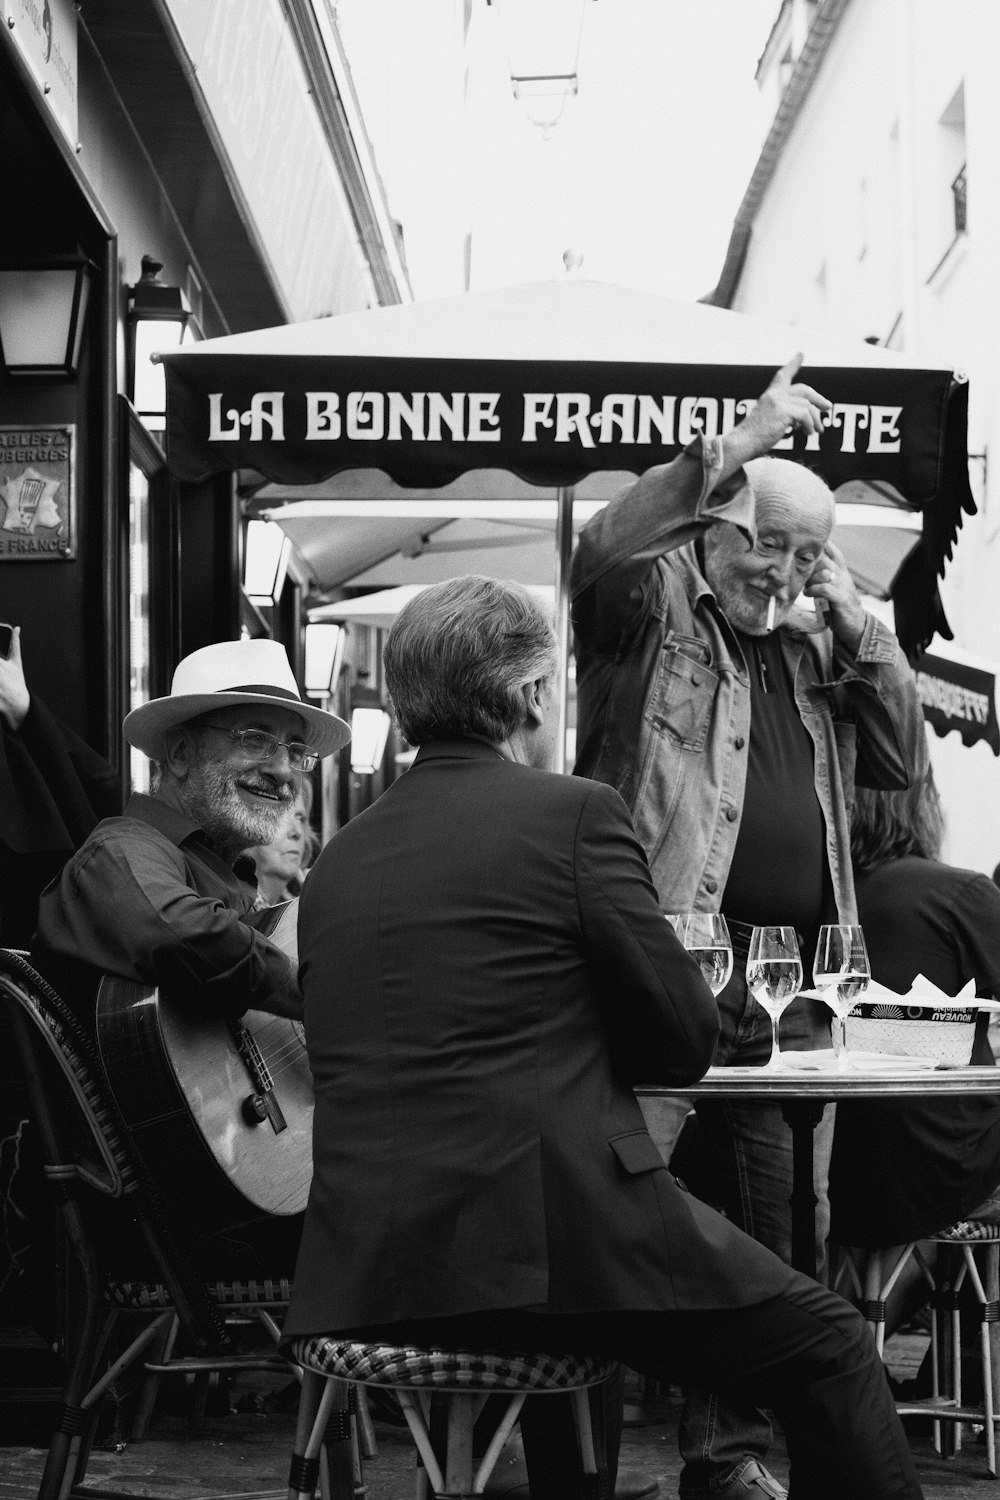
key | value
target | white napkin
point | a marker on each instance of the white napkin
(868, 1062)
(927, 996)
(922, 994)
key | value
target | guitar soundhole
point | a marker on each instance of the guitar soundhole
(255, 1109)
(262, 1104)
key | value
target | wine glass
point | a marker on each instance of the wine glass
(774, 976)
(706, 937)
(841, 974)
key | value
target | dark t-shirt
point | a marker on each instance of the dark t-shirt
(779, 871)
(902, 1170)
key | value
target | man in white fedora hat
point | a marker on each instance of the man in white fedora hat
(162, 895)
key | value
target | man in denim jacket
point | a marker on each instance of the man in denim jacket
(734, 715)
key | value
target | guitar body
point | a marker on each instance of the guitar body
(222, 1109)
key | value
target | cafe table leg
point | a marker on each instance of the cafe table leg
(802, 1116)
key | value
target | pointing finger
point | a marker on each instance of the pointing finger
(788, 372)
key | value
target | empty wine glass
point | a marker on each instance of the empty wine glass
(774, 976)
(841, 974)
(706, 937)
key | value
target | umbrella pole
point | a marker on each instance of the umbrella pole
(564, 550)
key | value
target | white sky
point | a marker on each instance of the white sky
(642, 175)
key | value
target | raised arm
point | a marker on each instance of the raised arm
(613, 581)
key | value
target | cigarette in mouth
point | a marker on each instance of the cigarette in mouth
(772, 606)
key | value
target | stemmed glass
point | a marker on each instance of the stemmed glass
(841, 974)
(774, 976)
(706, 937)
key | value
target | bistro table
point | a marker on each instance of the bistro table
(802, 1094)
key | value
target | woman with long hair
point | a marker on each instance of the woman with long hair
(902, 1170)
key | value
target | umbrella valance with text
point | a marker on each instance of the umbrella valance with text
(424, 422)
(556, 381)
(957, 695)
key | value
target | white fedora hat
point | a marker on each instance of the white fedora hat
(231, 674)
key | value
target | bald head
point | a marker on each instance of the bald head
(794, 515)
(787, 488)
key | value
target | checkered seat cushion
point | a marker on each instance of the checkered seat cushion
(150, 1295)
(966, 1231)
(386, 1364)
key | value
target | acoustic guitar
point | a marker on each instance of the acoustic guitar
(224, 1108)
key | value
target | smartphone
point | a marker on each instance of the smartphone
(6, 639)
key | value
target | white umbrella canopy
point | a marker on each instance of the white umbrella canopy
(569, 319)
(360, 529)
(381, 608)
(389, 554)
(560, 384)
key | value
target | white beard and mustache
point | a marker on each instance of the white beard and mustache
(231, 825)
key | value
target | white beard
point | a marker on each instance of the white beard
(213, 801)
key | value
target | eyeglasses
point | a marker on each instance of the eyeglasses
(257, 744)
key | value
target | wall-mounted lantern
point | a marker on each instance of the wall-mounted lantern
(325, 644)
(157, 318)
(369, 733)
(265, 563)
(43, 312)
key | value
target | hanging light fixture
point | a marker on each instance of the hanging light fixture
(157, 318)
(542, 42)
(43, 312)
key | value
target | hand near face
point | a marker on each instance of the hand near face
(14, 695)
(831, 581)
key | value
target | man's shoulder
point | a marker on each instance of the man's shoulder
(120, 836)
(569, 790)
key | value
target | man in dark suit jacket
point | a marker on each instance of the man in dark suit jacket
(487, 973)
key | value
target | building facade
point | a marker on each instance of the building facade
(873, 210)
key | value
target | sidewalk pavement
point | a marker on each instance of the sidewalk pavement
(243, 1456)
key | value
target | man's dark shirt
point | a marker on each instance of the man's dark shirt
(779, 872)
(147, 898)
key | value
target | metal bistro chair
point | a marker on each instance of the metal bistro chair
(124, 1252)
(970, 1254)
(441, 1393)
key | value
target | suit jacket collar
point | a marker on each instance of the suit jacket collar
(457, 750)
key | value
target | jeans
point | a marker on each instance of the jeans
(738, 1157)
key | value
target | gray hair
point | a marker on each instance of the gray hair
(458, 655)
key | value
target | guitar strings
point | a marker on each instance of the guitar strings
(290, 1050)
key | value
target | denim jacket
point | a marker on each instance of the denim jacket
(663, 692)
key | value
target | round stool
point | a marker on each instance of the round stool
(463, 1380)
(967, 1241)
